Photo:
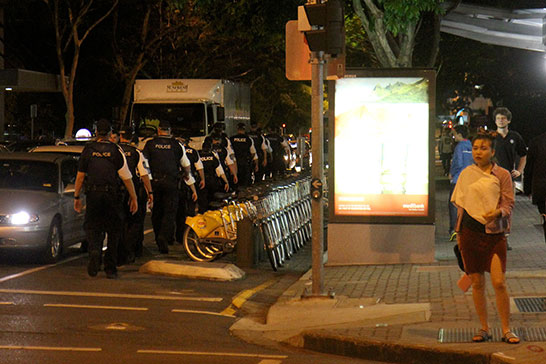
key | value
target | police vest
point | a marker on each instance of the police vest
(241, 146)
(193, 156)
(101, 162)
(258, 141)
(163, 154)
(132, 157)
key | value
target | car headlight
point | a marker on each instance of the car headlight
(22, 218)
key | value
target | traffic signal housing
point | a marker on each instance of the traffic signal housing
(328, 31)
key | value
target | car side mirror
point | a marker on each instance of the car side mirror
(70, 188)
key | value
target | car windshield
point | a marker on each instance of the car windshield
(28, 175)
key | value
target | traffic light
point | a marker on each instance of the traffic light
(328, 34)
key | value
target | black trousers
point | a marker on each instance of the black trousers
(164, 213)
(244, 173)
(132, 234)
(103, 214)
(185, 208)
(206, 195)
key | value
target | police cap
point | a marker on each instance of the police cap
(241, 126)
(103, 127)
(164, 124)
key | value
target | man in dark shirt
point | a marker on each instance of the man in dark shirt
(510, 149)
(102, 164)
(166, 157)
(245, 153)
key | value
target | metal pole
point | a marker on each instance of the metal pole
(317, 170)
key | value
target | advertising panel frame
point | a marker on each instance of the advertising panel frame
(430, 76)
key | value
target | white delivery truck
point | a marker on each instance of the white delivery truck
(190, 105)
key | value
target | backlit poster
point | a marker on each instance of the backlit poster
(381, 146)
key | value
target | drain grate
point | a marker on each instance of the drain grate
(531, 304)
(458, 335)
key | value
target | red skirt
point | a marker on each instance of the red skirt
(479, 248)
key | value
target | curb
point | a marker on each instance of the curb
(392, 352)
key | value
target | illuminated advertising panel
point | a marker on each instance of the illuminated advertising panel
(382, 151)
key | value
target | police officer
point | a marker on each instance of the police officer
(213, 173)
(186, 206)
(245, 155)
(261, 150)
(133, 228)
(219, 129)
(166, 156)
(228, 164)
(280, 148)
(102, 164)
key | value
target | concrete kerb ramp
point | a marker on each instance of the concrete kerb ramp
(292, 315)
(209, 270)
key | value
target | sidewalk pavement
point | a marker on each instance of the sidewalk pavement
(397, 313)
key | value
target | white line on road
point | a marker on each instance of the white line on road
(110, 295)
(62, 305)
(201, 353)
(203, 312)
(48, 348)
(37, 269)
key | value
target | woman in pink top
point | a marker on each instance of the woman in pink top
(484, 197)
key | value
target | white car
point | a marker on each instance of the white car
(37, 204)
(73, 150)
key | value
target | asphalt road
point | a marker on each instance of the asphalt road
(58, 314)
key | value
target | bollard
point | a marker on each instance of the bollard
(245, 244)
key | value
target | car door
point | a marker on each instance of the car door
(72, 220)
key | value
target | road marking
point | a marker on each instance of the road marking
(62, 305)
(239, 299)
(110, 295)
(203, 312)
(7, 303)
(37, 269)
(48, 348)
(244, 355)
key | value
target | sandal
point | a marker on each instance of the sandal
(510, 338)
(481, 336)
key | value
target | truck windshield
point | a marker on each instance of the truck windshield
(184, 118)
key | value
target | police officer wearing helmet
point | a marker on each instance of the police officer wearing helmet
(245, 154)
(133, 228)
(102, 164)
(166, 156)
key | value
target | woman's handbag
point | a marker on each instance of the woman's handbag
(464, 282)
(459, 256)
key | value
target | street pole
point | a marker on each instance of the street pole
(317, 170)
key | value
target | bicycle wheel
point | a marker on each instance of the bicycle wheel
(197, 249)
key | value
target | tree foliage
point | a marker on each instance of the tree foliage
(392, 26)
